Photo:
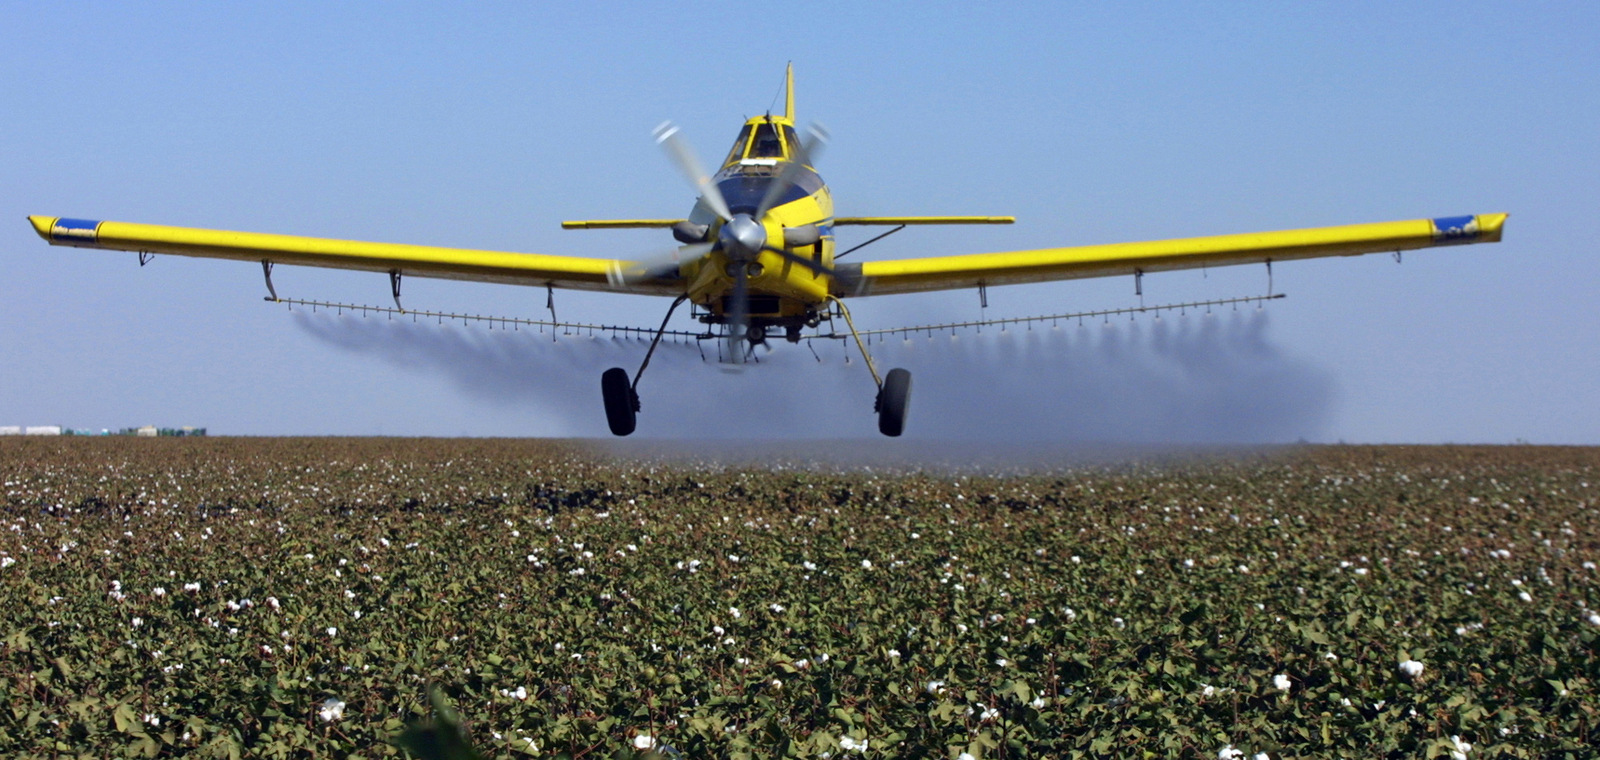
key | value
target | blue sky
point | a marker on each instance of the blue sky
(1091, 123)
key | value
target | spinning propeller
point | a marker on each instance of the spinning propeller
(741, 237)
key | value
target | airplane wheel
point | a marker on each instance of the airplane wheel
(892, 402)
(621, 402)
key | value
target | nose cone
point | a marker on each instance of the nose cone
(743, 237)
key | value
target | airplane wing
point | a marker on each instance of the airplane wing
(971, 271)
(412, 260)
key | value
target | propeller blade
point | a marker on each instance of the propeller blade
(660, 265)
(805, 153)
(668, 137)
(738, 319)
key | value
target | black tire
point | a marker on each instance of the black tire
(621, 403)
(893, 400)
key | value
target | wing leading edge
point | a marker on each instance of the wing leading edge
(1012, 267)
(413, 260)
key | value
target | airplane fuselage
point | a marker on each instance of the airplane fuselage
(781, 292)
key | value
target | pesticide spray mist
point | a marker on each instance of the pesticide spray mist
(1196, 379)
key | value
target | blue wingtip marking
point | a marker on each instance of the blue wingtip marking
(75, 230)
(1455, 229)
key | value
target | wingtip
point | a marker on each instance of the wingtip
(42, 225)
(1492, 225)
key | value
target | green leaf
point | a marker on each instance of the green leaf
(441, 736)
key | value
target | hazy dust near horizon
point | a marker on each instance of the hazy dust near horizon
(1199, 379)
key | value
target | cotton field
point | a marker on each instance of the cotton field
(297, 598)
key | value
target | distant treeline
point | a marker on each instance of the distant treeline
(148, 431)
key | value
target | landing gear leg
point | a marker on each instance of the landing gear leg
(622, 395)
(894, 391)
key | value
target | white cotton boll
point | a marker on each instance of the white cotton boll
(851, 744)
(644, 741)
(866, 564)
(1411, 668)
(332, 631)
(1229, 753)
(332, 710)
(1280, 682)
(1261, 756)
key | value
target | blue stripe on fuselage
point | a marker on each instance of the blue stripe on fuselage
(744, 191)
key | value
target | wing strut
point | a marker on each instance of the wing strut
(394, 286)
(266, 269)
(853, 249)
(146, 257)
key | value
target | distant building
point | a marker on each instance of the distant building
(10, 430)
(42, 430)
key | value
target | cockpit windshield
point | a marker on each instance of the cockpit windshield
(767, 144)
(738, 146)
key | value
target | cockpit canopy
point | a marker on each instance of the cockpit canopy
(763, 139)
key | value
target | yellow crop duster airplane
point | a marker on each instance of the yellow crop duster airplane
(758, 254)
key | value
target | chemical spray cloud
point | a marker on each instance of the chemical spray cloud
(1194, 379)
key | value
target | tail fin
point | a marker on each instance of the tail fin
(788, 93)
